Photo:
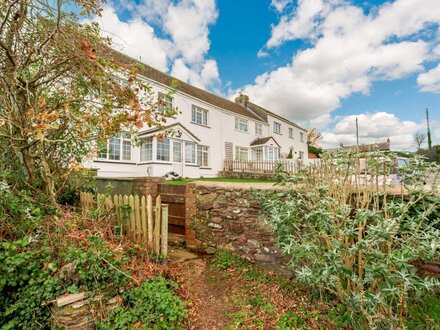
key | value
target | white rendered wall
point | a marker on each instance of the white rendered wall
(220, 129)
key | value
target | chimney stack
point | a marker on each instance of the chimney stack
(242, 99)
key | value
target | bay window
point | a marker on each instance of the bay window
(163, 150)
(190, 153)
(116, 148)
(147, 149)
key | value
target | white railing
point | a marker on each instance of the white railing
(260, 166)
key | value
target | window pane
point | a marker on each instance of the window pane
(166, 103)
(258, 129)
(126, 150)
(114, 146)
(241, 153)
(177, 152)
(147, 149)
(190, 152)
(202, 156)
(102, 149)
(163, 150)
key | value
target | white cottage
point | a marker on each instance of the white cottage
(208, 131)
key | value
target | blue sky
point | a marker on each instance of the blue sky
(318, 62)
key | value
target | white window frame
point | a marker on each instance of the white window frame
(190, 153)
(258, 153)
(291, 132)
(123, 143)
(203, 156)
(271, 153)
(301, 136)
(240, 151)
(258, 129)
(166, 103)
(199, 115)
(177, 152)
(146, 149)
(277, 127)
(160, 144)
(241, 125)
(301, 155)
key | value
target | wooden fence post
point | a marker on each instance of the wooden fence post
(150, 221)
(157, 227)
(144, 220)
(164, 231)
(137, 216)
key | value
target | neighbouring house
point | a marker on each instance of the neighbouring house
(208, 131)
(379, 146)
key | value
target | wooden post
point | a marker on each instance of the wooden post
(157, 227)
(150, 221)
(164, 231)
(132, 221)
(137, 215)
(144, 220)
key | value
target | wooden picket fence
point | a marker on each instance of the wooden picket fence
(138, 219)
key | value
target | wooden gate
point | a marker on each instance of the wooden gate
(174, 196)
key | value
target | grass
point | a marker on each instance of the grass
(182, 182)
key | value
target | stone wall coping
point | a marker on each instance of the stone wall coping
(239, 185)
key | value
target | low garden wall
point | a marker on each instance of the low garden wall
(129, 186)
(224, 218)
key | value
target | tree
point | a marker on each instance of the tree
(62, 87)
(419, 139)
(313, 136)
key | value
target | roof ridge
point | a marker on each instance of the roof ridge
(158, 76)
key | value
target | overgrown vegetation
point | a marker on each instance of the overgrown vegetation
(153, 305)
(63, 92)
(357, 239)
(45, 253)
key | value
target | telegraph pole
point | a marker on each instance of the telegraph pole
(429, 131)
(357, 135)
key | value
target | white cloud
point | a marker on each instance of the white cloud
(349, 51)
(183, 44)
(304, 23)
(188, 22)
(208, 73)
(373, 127)
(135, 38)
(280, 5)
(430, 81)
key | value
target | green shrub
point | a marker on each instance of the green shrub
(32, 273)
(26, 281)
(358, 241)
(153, 305)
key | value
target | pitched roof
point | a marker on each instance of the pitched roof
(262, 113)
(157, 129)
(380, 146)
(260, 141)
(162, 78)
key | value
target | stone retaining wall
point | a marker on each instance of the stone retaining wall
(219, 218)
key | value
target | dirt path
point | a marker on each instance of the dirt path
(228, 293)
(209, 305)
